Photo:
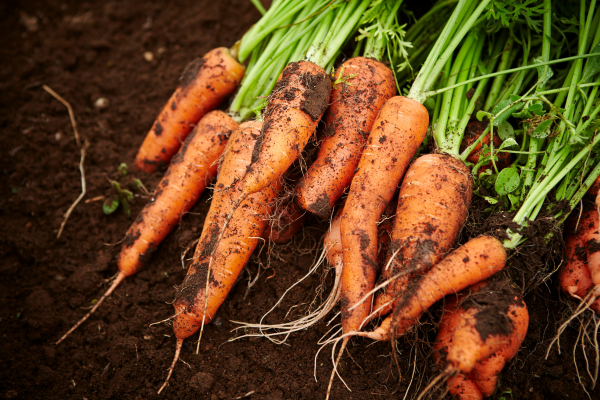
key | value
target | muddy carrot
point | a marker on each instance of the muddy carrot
(476, 260)
(478, 333)
(192, 169)
(205, 286)
(204, 84)
(432, 207)
(362, 86)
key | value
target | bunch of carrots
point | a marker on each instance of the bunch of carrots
(470, 71)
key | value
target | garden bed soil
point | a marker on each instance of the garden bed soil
(90, 50)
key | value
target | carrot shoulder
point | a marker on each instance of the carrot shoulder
(397, 132)
(204, 85)
(364, 86)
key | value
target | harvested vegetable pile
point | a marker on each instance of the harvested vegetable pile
(116, 64)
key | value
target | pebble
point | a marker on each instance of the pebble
(148, 56)
(101, 103)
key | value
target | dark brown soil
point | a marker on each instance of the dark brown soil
(88, 50)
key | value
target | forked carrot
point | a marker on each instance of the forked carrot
(204, 84)
(364, 85)
(192, 169)
(474, 261)
(432, 208)
(479, 332)
(206, 285)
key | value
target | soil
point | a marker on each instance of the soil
(91, 50)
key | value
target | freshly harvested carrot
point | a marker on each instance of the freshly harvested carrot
(205, 83)
(286, 223)
(397, 132)
(295, 107)
(575, 276)
(478, 333)
(432, 208)
(192, 169)
(205, 288)
(476, 260)
(365, 85)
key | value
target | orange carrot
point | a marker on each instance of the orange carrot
(478, 333)
(575, 276)
(191, 170)
(476, 260)
(365, 84)
(397, 133)
(432, 207)
(205, 288)
(295, 107)
(204, 85)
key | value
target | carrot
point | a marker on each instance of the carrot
(575, 276)
(364, 85)
(397, 133)
(295, 107)
(204, 84)
(206, 286)
(476, 260)
(432, 207)
(191, 170)
(286, 223)
(478, 333)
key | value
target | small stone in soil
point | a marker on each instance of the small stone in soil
(148, 56)
(101, 103)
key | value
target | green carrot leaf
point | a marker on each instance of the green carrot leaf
(592, 67)
(508, 181)
(506, 131)
(510, 142)
(543, 77)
